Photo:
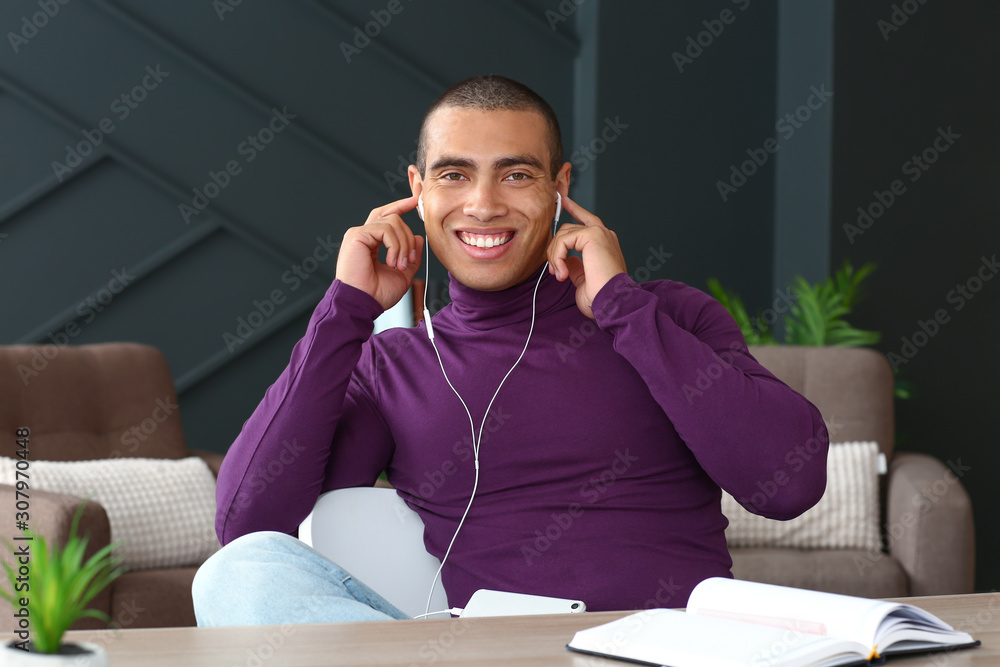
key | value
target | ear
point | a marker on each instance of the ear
(416, 183)
(562, 179)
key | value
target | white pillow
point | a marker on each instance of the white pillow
(846, 517)
(163, 510)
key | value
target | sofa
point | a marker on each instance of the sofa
(928, 542)
(78, 402)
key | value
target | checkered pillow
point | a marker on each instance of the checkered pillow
(846, 517)
(162, 510)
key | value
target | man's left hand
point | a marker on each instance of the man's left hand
(602, 256)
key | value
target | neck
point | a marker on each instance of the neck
(481, 310)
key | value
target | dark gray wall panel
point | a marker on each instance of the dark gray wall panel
(240, 385)
(894, 92)
(219, 81)
(33, 141)
(185, 308)
(657, 180)
(95, 223)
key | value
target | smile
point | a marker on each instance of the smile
(485, 240)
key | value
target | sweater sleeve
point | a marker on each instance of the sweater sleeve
(755, 437)
(277, 467)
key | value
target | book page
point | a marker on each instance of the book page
(669, 637)
(812, 612)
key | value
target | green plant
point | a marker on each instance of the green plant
(755, 331)
(60, 584)
(816, 315)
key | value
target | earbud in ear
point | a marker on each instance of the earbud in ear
(558, 206)
(420, 206)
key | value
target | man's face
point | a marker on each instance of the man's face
(489, 198)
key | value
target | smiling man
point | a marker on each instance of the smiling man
(597, 479)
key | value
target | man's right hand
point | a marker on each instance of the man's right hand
(358, 264)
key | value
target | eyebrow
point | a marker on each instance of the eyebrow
(447, 161)
(514, 160)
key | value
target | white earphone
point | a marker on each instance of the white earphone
(476, 437)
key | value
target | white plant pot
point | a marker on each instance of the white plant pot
(87, 655)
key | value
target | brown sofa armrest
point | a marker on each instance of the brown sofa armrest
(213, 459)
(51, 515)
(929, 525)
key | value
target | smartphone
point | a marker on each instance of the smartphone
(485, 602)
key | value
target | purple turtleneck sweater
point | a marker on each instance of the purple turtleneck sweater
(601, 459)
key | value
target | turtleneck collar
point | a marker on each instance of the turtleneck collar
(482, 311)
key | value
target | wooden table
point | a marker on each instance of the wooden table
(519, 641)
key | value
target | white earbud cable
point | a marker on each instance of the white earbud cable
(475, 440)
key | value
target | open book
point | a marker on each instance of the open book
(730, 623)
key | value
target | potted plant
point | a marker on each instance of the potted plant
(816, 315)
(50, 587)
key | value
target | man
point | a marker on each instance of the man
(597, 438)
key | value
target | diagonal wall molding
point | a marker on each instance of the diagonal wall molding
(242, 92)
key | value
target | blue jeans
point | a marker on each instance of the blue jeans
(271, 578)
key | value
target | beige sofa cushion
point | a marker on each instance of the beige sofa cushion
(162, 510)
(846, 517)
(870, 575)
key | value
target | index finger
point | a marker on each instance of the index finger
(397, 207)
(579, 213)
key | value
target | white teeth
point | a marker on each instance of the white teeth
(485, 242)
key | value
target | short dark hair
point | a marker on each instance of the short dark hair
(492, 92)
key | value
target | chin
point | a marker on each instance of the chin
(490, 282)
(483, 283)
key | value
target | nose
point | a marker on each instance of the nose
(484, 203)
